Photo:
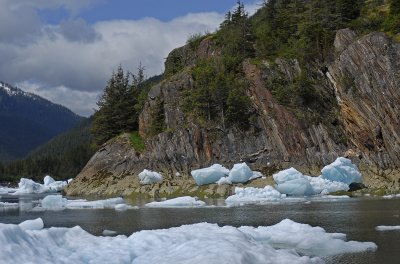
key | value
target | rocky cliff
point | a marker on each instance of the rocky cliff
(359, 97)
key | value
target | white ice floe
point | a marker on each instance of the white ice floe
(251, 195)
(184, 201)
(57, 202)
(28, 186)
(341, 170)
(150, 177)
(387, 228)
(285, 242)
(209, 175)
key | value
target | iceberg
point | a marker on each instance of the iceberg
(252, 195)
(209, 175)
(184, 201)
(341, 170)
(28, 186)
(285, 242)
(241, 173)
(150, 177)
(335, 177)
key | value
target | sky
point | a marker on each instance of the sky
(66, 50)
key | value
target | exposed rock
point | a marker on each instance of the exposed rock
(355, 186)
(364, 78)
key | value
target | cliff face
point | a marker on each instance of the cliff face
(366, 77)
(361, 87)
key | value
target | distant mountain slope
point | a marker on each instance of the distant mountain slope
(27, 121)
(62, 157)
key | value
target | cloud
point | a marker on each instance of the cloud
(70, 63)
(81, 102)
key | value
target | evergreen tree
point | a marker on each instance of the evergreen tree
(395, 7)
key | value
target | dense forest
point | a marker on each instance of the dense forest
(297, 29)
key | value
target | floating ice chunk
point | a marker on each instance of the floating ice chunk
(69, 181)
(99, 204)
(341, 170)
(285, 242)
(387, 228)
(185, 201)
(54, 202)
(150, 177)
(209, 175)
(293, 182)
(251, 195)
(57, 202)
(224, 180)
(36, 224)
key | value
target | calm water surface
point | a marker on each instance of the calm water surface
(356, 217)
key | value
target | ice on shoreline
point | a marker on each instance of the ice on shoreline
(285, 242)
(240, 173)
(209, 175)
(28, 186)
(334, 177)
(150, 177)
(341, 170)
(57, 202)
(184, 201)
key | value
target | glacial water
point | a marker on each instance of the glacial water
(356, 217)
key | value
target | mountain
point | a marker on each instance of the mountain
(27, 121)
(298, 84)
(63, 157)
